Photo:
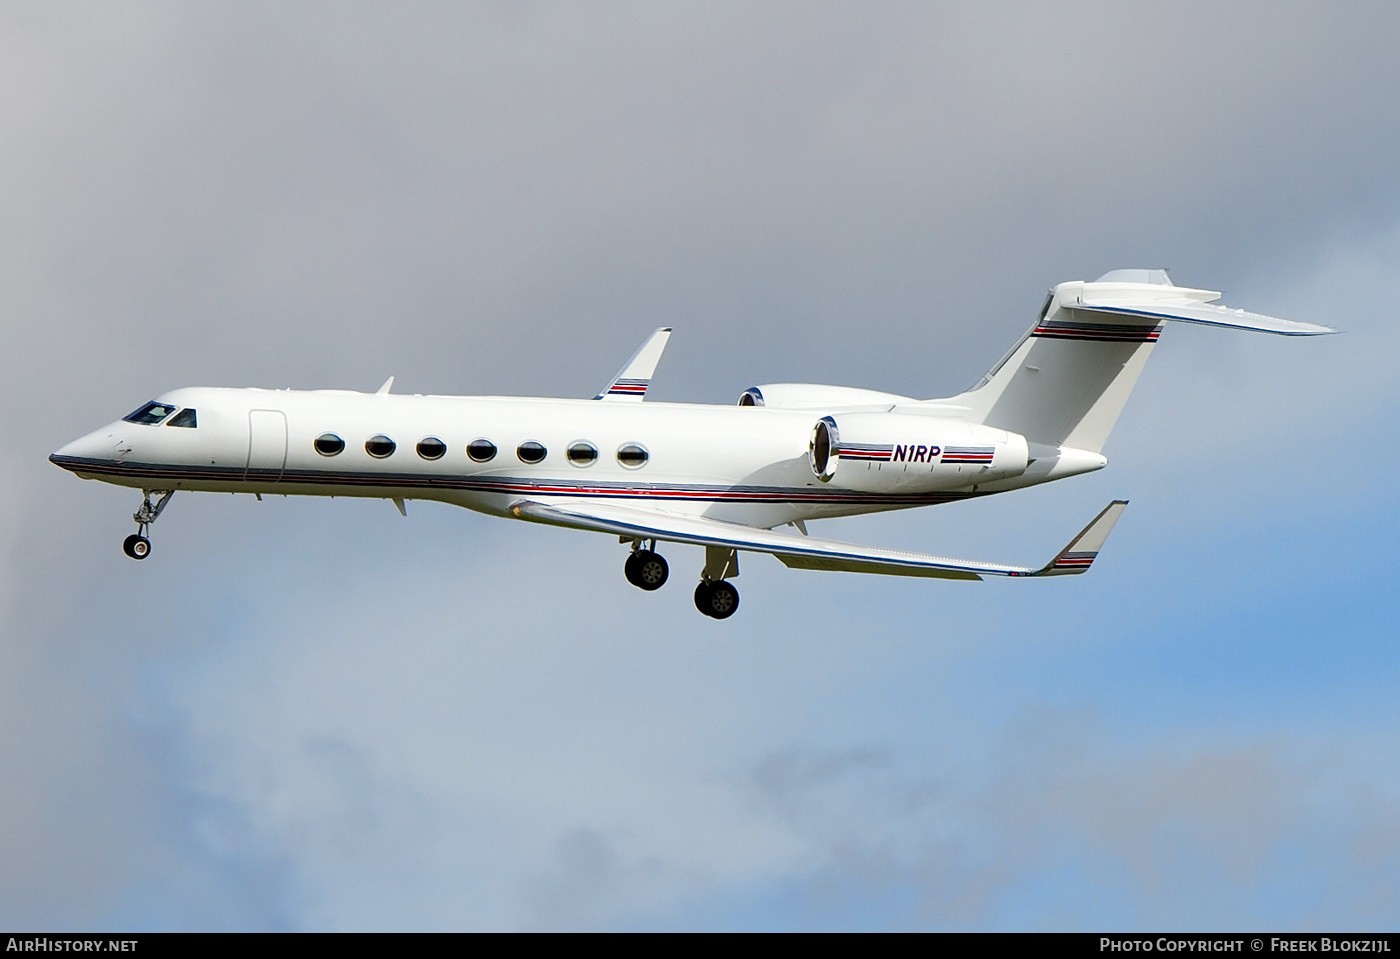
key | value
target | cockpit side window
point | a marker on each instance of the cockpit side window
(150, 414)
(184, 418)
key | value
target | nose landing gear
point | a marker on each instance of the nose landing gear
(137, 545)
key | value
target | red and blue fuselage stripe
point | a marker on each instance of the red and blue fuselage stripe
(977, 455)
(865, 451)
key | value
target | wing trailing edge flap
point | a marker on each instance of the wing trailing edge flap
(809, 552)
(632, 380)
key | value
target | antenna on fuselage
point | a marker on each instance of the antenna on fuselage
(385, 388)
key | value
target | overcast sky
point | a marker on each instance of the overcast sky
(314, 714)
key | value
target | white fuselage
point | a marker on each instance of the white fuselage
(747, 465)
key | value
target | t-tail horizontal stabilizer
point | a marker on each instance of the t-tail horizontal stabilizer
(632, 380)
(1204, 314)
(1151, 295)
(805, 552)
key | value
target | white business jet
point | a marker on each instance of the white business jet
(725, 478)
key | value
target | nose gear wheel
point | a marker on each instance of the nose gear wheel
(137, 545)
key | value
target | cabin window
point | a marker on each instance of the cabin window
(150, 414)
(328, 444)
(185, 418)
(481, 451)
(633, 456)
(380, 446)
(431, 448)
(582, 453)
(530, 452)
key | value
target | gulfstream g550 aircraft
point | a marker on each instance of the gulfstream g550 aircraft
(724, 478)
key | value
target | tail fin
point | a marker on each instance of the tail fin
(1068, 379)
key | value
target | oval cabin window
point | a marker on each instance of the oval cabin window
(633, 456)
(530, 452)
(582, 453)
(380, 446)
(328, 444)
(431, 448)
(481, 451)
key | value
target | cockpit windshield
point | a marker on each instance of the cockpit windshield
(185, 417)
(150, 414)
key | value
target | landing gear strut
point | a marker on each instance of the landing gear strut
(645, 569)
(137, 545)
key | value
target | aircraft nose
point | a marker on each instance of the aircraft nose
(103, 444)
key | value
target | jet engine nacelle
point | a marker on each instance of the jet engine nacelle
(817, 396)
(884, 452)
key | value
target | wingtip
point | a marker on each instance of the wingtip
(1081, 552)
(1306, 329)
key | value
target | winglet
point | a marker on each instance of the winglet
(1079, 555)
(632, 380)
(385, 388)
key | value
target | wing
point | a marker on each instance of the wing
(632, 380)
(805, 552)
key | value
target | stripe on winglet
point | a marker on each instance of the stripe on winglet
(1074, 561)
(628, 388)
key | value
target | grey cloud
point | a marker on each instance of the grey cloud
(1176, 829)
(589, 878)
(447, 177)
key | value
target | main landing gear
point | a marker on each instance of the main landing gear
(645, 568)
(137, 545)
(715, 597)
